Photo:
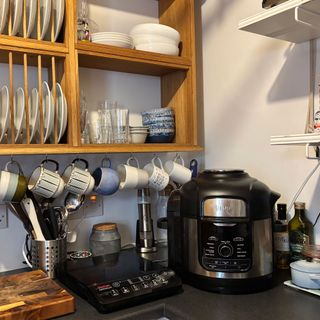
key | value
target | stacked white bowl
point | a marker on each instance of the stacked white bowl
(155, 37)
(138, 134)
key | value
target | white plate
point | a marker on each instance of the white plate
(62, 112)
(110, 35)
(4, 10)
(45, 9)
(64, 120)
(17, 6)
(48, 110)
(58, 7)
(60, 107)
(34, 117)
(4, 111)
(31, 10)
(19, 114)
(116, 43)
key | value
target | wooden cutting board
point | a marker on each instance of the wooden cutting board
(33, 296)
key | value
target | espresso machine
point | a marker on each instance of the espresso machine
(144, 233)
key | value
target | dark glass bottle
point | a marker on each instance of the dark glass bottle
(300, 231)
(281, 238)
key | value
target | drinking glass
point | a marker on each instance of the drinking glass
(120, 125)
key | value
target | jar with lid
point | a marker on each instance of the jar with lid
(104, 239)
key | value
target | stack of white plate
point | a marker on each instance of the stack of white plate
(113, 39)
(155, 37)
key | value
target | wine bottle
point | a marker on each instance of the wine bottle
(300, 231)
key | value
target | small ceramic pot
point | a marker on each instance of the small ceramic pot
(306, 274)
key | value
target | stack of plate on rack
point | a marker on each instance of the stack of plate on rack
(48, 105)
(113, 39)
(48, 9)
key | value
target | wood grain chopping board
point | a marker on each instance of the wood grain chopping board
(33, 296)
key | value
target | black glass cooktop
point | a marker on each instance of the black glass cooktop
(117, 281)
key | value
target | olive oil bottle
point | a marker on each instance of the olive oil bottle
(300, 231)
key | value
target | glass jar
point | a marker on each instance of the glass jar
(104, 239)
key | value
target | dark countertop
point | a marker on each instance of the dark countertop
(280, 302)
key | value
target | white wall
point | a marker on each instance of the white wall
(255, 87)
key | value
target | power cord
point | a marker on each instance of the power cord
(302, 187)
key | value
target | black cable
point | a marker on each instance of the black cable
(318, 216)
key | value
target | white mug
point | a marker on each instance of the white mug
(178, 172)
(158, 178)
(132, 177)
(46, 183)
(78, 181)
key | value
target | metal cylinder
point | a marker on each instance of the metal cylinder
(145, 236)
(49, 255)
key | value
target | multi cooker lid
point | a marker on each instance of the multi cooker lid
(227, 172)
(226, 184)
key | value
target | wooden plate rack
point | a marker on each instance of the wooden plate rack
(61, 60)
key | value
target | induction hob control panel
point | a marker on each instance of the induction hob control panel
(133, 287)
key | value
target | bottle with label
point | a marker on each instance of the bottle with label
(281, 238)
(300, 231)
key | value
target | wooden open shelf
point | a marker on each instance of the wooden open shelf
(111, 58)
(63, 60)
(112, 148)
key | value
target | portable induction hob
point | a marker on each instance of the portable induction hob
(116, 281)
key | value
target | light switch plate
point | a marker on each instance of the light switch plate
(3, 216)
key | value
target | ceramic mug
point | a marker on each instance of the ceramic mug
(106, 179)
(132, 177)
(13, 186)
(158, 178)
(178, 172)
(77, 180)
(45, 182)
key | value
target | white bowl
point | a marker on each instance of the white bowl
(152, 38)
(156, 28)
(116, 43)
(138, 137)
(163, 48)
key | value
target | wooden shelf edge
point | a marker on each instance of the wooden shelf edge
(121, 148)
(131, 54)
(18, 43)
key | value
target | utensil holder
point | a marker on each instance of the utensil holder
(49, 255)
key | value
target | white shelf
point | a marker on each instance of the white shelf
(296, 139)
(294, 20)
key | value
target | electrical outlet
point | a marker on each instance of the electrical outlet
(3, 217)
(92, 207)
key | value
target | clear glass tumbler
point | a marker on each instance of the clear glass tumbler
(120, 125)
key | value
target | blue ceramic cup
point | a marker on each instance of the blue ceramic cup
(106, 179)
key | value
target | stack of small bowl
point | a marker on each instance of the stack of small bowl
(161, 125)
(138, 134)
(155, 37)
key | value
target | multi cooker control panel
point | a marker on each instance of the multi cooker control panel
(225, 247)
